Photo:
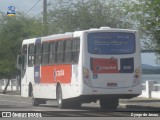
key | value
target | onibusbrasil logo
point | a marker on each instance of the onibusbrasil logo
(11, 11)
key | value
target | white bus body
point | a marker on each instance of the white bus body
(83, 66)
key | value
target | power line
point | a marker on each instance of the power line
(32, 7)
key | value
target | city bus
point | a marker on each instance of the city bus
(100, 64)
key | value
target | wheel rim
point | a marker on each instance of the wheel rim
(59, 97)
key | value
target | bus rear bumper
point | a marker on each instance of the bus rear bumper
(94, 98)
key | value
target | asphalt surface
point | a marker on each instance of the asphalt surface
(132, 107)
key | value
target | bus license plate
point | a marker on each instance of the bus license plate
(112, 84)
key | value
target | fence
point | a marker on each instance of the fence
(151, 89)
(13, 85)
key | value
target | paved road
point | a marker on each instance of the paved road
(20, 104)
(17, 103)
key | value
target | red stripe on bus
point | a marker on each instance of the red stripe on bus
(104, 65)
(55, 73)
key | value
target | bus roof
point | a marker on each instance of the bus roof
(71, 34)
(27, 41)
(57, 37)
(109, 30)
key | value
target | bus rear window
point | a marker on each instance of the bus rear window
(111, 43)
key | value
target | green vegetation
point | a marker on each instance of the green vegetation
(12, 31)
(146, 16)
(68, 16)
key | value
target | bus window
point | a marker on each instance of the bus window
(68, 51)
(31, 55)
(37, 54)
(75, 50)
(60, 52)
(45, 51)
(24, 52)
(52, 52)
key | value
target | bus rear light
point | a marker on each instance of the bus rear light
(137, 73)
(86, 73)
(86, 77)
(136, 78)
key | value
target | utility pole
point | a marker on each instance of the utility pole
(45, 23)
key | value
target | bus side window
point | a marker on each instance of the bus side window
(37, 54)
(52, 52)
(31, 55)
(24, 52)
(68, 51)
(60, 52)
(45, 52)
(75, 50)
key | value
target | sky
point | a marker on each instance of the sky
(26, 5)
(22, 6)
(149, 58)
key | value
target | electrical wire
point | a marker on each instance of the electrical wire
(32, 7)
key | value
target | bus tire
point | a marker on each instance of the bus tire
(74, 103)
(60, 101)
(109, 104)
(35, 101)
(30, 90)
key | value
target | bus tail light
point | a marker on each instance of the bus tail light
(86, 77)
(137, 73)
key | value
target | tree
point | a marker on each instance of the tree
(12, 31)
(66, 15)
(146, 16)
(151, 24)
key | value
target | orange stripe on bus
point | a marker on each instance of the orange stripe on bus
(55, 73)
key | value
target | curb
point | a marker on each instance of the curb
(150, 108)
(9, 95)
(16, 93)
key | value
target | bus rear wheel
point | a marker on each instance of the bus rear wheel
(35, 101)
(60, 101)
(68, 103)
(74, 103)
(109, 104)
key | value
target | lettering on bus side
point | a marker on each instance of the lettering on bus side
(54, 73)
(59, 73)
(103, 65)
(127, 65)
